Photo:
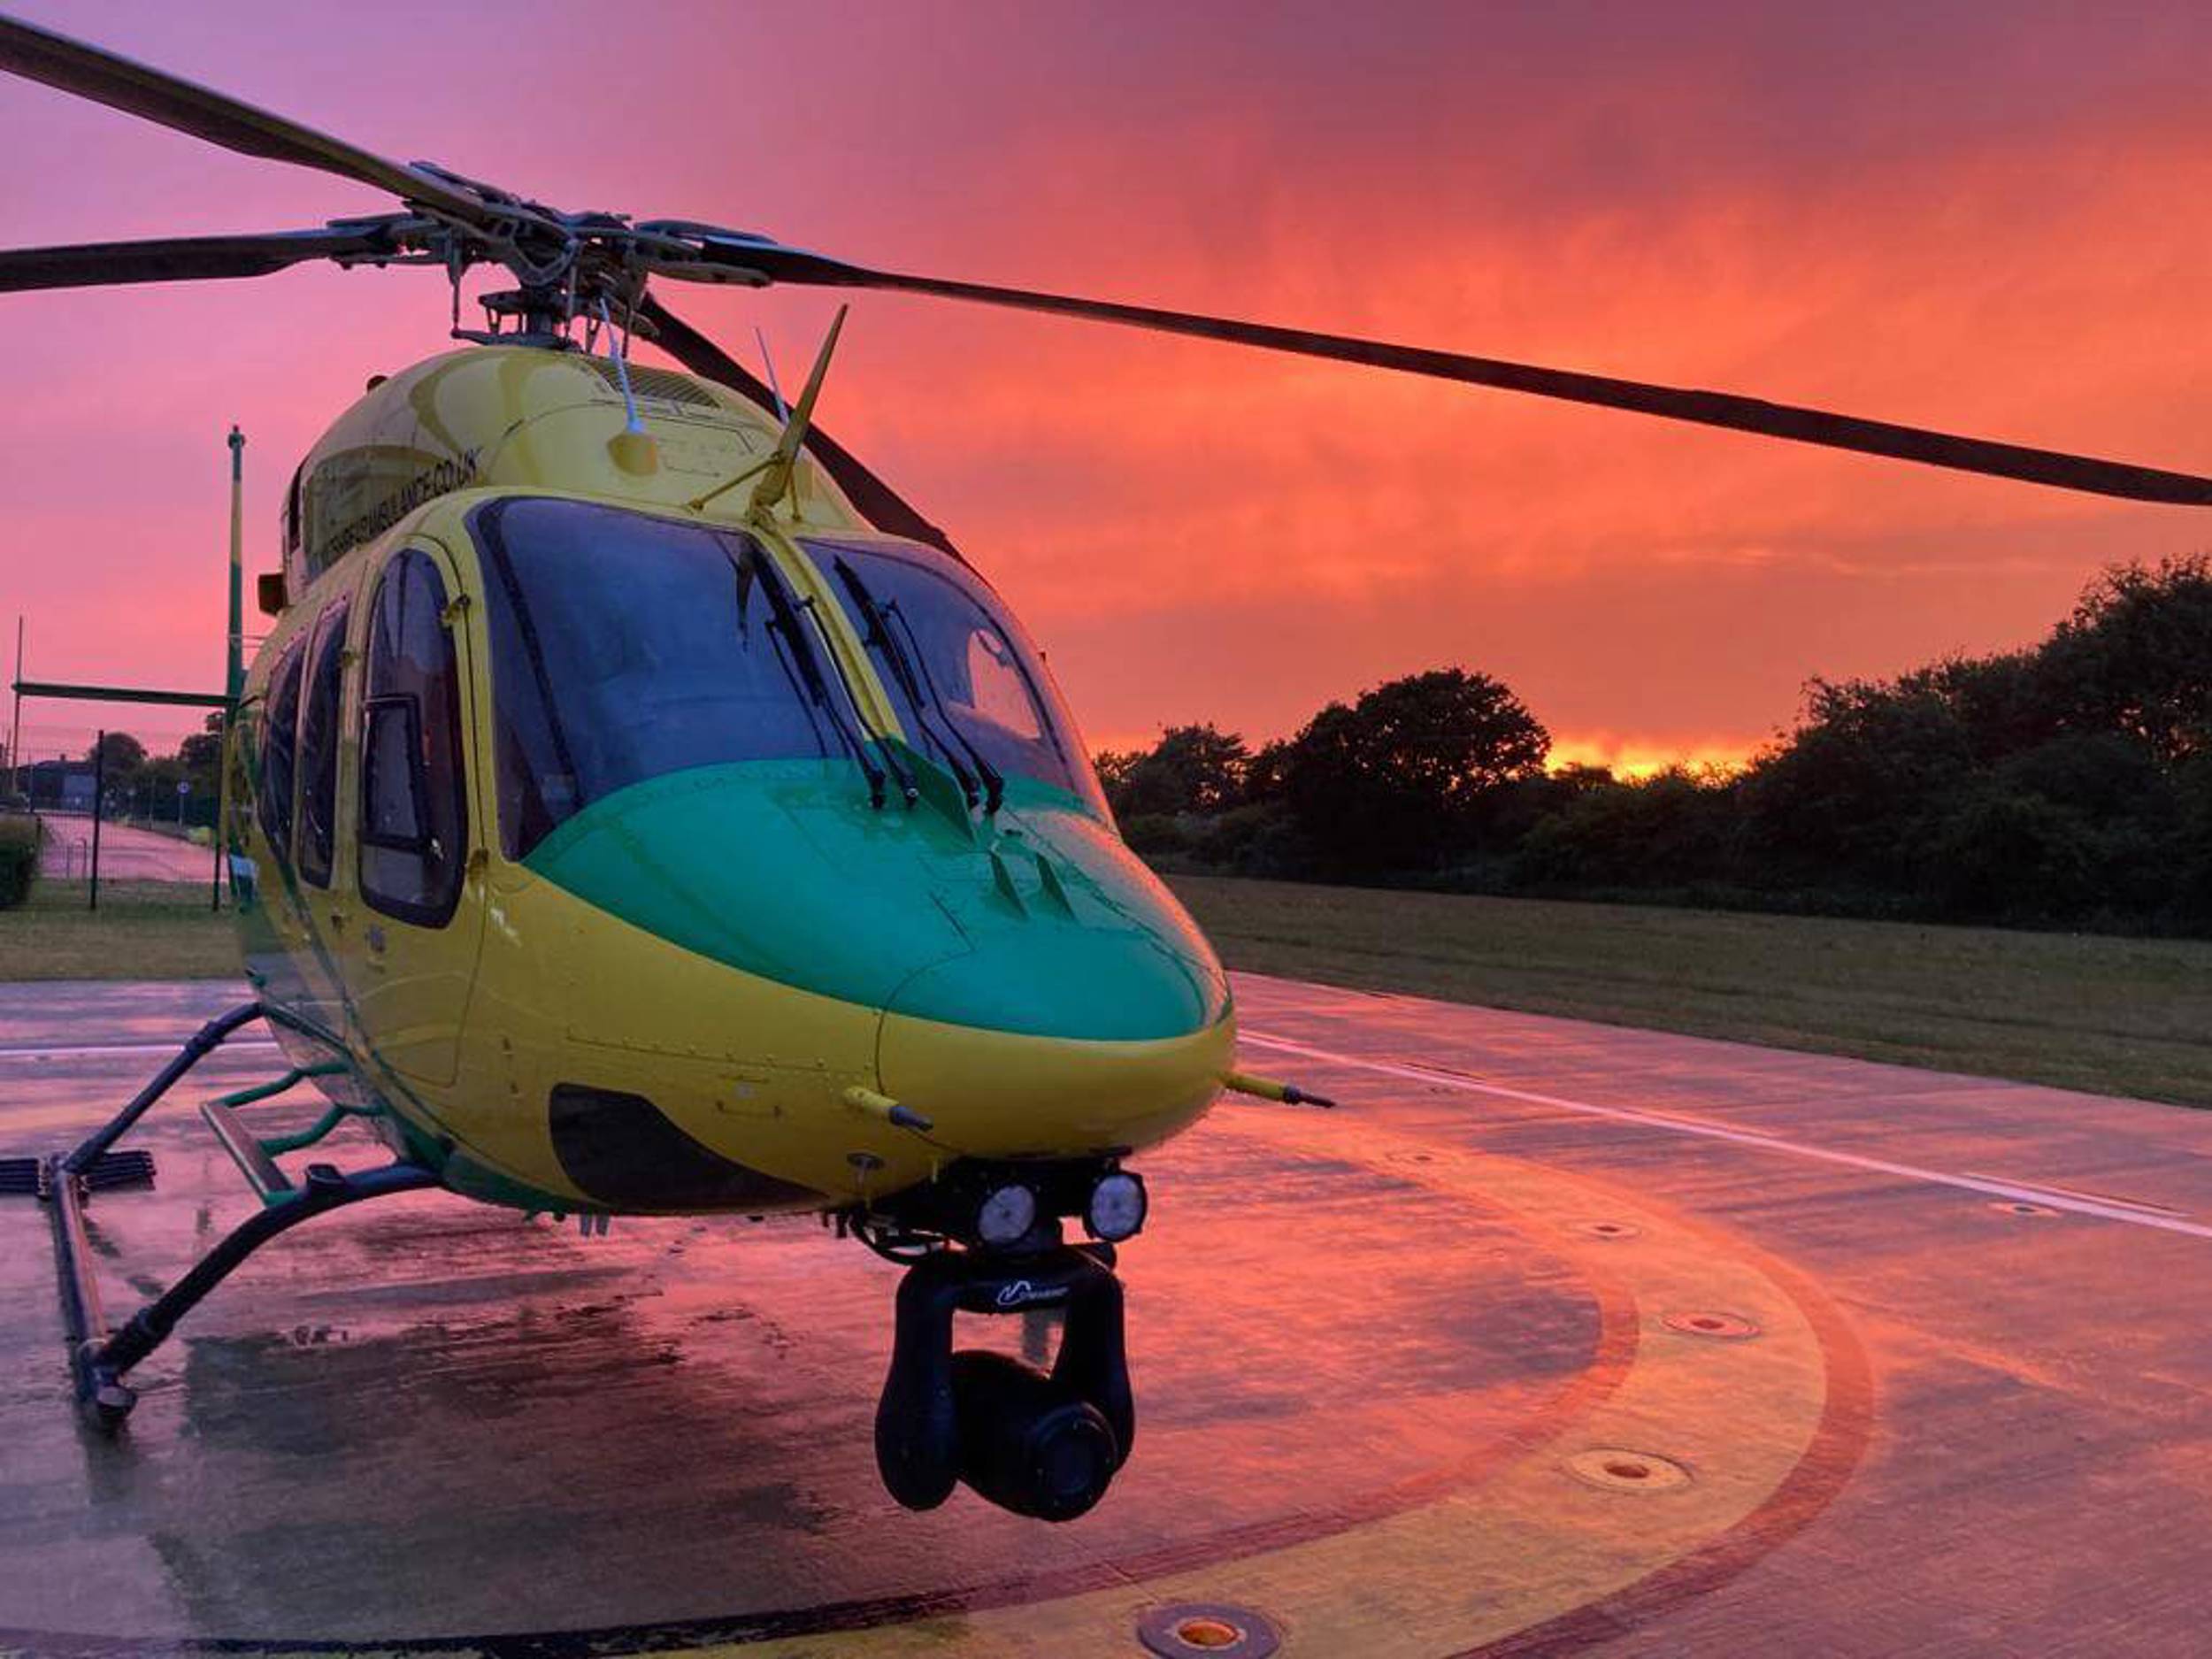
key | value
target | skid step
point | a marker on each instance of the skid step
(246, 1150)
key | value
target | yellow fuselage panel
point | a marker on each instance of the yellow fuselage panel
(528, 419)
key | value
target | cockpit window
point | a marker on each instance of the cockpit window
(983, 689)
(624, 648)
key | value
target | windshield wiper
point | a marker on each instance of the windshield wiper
(887, 647)
(993, 780)
(784, 621)
(909, 790)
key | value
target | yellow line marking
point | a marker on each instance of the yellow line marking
(1529, 1541)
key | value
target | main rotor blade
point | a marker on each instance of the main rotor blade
(878, 503)
(181, 259)
(1824, 427)
(92, 72)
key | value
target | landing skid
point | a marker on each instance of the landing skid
(99, 1358)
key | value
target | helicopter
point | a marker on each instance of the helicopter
(638, 807)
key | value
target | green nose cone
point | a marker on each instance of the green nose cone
(1042, 924)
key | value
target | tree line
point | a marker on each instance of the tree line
(137, 782)
(2067, 784)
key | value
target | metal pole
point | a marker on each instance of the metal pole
(15, 726)
(234, 661)
(99, 790)
(235, 681)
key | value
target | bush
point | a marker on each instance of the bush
(2000, 855)
(20, 839)
(1668, 831)
(1257, 840)
(1156, 832)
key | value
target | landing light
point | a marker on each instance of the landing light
(1117, 1206)
(1006, 1214)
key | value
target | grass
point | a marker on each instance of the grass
(2112, 1015)
(143, 930)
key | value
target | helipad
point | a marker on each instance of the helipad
(1555, 1337)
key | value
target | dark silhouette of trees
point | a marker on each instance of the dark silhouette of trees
(1677, 829)
(124, 753)
(1401, 778)
(2135, 658)
(2067, 783)
(1191, 768)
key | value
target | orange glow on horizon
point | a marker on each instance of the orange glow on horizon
(1627, 758)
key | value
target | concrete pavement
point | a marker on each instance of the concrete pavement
(1555, 1337)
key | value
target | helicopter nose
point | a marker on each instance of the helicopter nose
(1093, 986)
(1086, 1043)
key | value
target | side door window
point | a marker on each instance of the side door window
(279, 752)
(414, 807)
(318, 746)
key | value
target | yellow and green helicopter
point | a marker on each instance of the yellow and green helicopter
(637, 807)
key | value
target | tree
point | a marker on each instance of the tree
(1400, 778)
(202, 753)
(1191, 768)
(1113, 767)
(2136, 657)
(1266, 775)
(2002, 703)
(125, 753)
(1671, 829)
(1848, 794)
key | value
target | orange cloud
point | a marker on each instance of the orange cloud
(1953, 224)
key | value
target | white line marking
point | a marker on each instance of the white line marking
(7, 1053)
(2017, 1191)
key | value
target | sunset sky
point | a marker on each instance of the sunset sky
(1986, 217)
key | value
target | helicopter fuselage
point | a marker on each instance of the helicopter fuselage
(561, 872)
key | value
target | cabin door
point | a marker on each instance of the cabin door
(409, 948)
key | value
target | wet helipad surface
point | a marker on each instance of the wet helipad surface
(1555, 1337)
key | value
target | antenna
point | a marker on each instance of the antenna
(777, 477)
(630, 422)
(774, 469)
(633, 448)
(768, 362)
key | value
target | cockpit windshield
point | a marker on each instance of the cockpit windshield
(625, 646)
(979, 695)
